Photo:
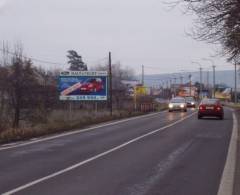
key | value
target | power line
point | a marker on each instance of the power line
(153, 68)
(97, 60)
(49, 62)
(33, 59)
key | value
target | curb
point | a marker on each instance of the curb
(227, 180)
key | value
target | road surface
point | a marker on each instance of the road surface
(159, 154)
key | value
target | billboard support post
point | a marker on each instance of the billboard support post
(110, 83)
(70, 110)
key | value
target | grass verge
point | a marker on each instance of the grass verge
(59, 123)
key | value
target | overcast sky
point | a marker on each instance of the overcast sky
(135, 31)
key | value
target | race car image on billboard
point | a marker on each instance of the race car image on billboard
(83, 87)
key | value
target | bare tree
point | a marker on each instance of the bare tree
(118, 75)
(47, 94)
(4, 118)
(4, 59)
(218, 21)
(21, 82)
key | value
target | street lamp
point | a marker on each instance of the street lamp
(200, 77)
(214, 74)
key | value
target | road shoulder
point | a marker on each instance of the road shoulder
(228, 177)
(236, 189)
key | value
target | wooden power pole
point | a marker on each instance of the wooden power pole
(110, 84)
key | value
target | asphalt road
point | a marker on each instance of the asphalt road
(162, 154)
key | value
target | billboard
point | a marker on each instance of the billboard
(83, 85)
(224, 94)
(187, 91)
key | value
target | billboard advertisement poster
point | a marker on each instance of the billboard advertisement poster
(187, 91)
(224, 94)
(83, 85)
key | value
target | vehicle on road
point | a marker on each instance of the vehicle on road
(92, 85)
(177, 104)
(210, 108)
(191, 103)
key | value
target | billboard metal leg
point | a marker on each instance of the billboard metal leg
(96, 107)
(70, 111)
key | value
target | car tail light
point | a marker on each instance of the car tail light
(201, 108)
(218, 108)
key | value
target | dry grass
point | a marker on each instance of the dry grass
(60, 121)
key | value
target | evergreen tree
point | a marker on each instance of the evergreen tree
(75, 61)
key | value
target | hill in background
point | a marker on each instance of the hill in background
(222, 77)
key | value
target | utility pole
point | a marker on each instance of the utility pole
(110, 84)
(208, 79)
(235, 82)
(207, 83)
(162, 85)
(200, 83)
(200, 77)
(181, 83)
(171, 88)
(174, 86)
(214, 80)
(175, 80)
(142, 75)
(166, 91)
(190, 85)
(181, 80)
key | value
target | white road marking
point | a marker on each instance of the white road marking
(5, 147)
(227, 180)
(94, 158)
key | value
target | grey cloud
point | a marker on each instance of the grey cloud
(2, 3)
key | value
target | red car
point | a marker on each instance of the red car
(210, 107)
(92, 85)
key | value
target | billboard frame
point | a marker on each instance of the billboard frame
(87, 97)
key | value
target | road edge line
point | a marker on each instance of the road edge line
(50, 176)
(227, 180)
